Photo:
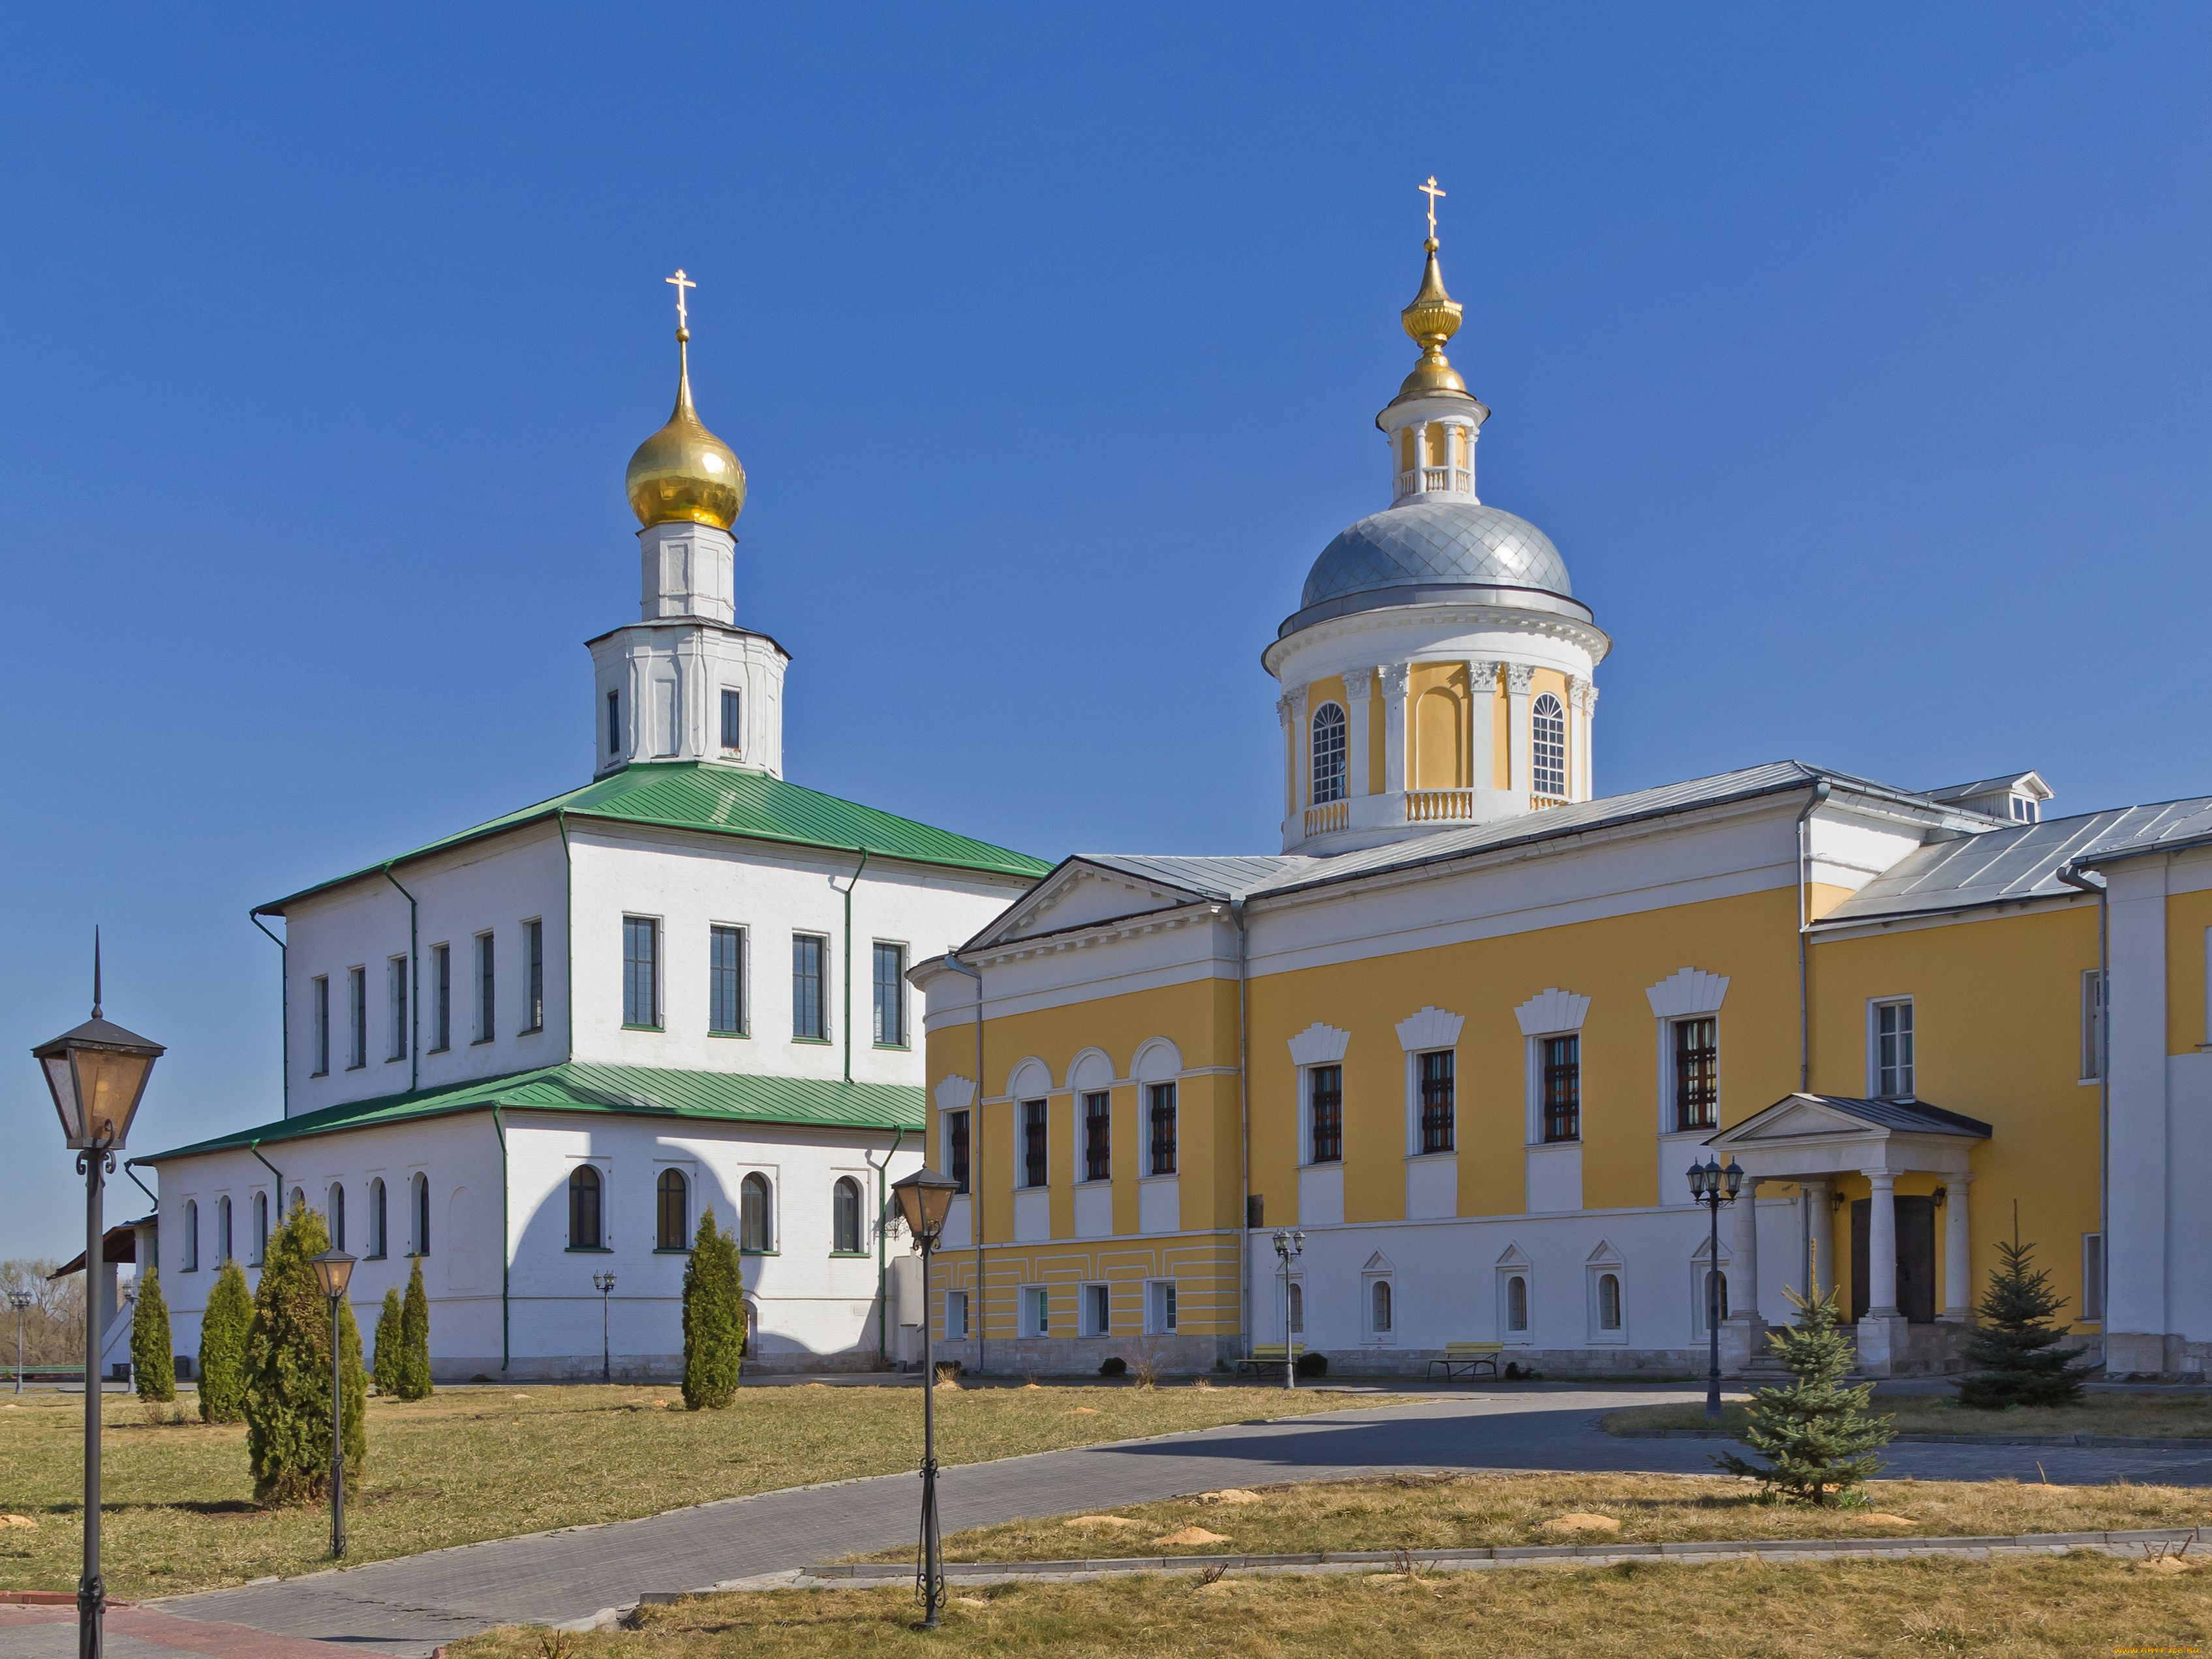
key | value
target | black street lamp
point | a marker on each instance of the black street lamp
(97, 1074)
(1712, 1186)
(1290, 1242)
(924, 1198)
(19, 1300)
(605, 1284)
(332, 1269)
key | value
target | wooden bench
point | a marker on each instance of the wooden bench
(1465, 1358)
(1270, 1356)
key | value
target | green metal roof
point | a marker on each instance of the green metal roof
(724, 800)
(632, 1090)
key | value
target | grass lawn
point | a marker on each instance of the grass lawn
(2134, 1414)
(2021, 1608)
(487, 1462)
(1464, 1511)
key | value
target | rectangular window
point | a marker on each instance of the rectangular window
(1033, 1166)
(356, 1018)
(2093, 1025)
(733, 720)
(1697, 1073)
(319, 1036)
(1893, 1050)
(725, 982)
(1160, 1308)
(1160, 1115)
(1036, 1310)
(1096, 1312)
(810, 1016)
(534, 973)
(890, 995)
(1439, 1087)
(956, 1315)
(668, 706)
(641, 972)
(956, 1137)
(487, 1001)
(441, 997)
(2093, 1277)
(614, 724)
(1325, 1114)
(395, 978)
(1098, 1136)
(1563, 1087)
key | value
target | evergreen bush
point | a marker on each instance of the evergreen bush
(390, 1344)
(224, 1329)
(414, 1338)
(713, 1319)
(153, 1366)
(2013, 1355)
(288, 1372)
(1818, 1436)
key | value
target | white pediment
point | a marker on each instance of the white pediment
(1319, 1045)
(1376, 1263)
(1092, 1069)
(1081, 896)
(1551, 1010)
(1604, 1256)
(955, 1094)
(1513, 1257)
(1431, 1027)
(1031, 1079)
(1795, 1119)
(1685, 992)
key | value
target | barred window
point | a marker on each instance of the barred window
(956, 1134)
(1329, 754)
(1033, 1168)
(1892, 1034)
(1548, 727)
(1163, 1117)
(1325, 1114)
(1697, 1073)
(1098, 1136)
(1436, 1102)
(1563, 1087)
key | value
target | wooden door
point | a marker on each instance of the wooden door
(1916, 1258)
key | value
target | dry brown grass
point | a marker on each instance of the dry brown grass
(489, 1462)
(2161, 1416)
(2019, 1608)
(1466, 1511)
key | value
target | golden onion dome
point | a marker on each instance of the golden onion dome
(1432, 319)
(684, 472)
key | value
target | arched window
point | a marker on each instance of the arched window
(1298, 1310)
(376, 1219)
(222, 1231)
(421, 1186)
(1328, 751)
(1548, 723)
(673, 1228)
(299, 1200)
(755, 1219)
(188, 1257)
(260, 1227)
(1608, 1302)
(745, 1349)
(845, 1216)
(1715, 1296)
(1516, 1303)
(584, 1209)
(1379, 1302)
(338, 1216)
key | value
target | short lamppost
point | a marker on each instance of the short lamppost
(924, 1197)
(605, 1285)
(332, 1269)
(97, 1074)
(1712, 1186)
(19, 1300)
(1290, 1242)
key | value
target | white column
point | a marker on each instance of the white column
(1290, 762)
(1517, 678)
(1301, 749)
(1482, 724)
(1393, 728)
(1358, 693)
(1589, 724)
(1957, 1251)
(1819, 1198)
(1881, 1247)
(1577, 737)
(1743, 1279)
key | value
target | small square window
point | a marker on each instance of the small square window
(733, 720)
(1097, 1308)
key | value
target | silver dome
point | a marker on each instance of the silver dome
(1431, 545)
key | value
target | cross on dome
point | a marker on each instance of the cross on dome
(1432, 190)
(680, 281)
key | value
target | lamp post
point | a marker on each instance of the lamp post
(924, 1197)
(332, 1269)
(1290, 1242)
(19, 1300)
(605, 1283)
(1712, 1186)
(97, 1075)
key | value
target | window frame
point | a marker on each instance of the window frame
(1684, 1088)
(1337, 752)
(259, 1209)
(662, 1191)
(614, 725)
(732, 719)
(1033, 1304)
(736, 935)
(1378, 1308)
(357, 1016)
(533, 976)
(956, 1299)
(188, 1258)
(396, 1002)
(1508, 1278)
(378, 1218)
(1552, 1112)
(646, 928)
(318, 1025)
(1033, 1144)
(1162, 1108)
(959, 1148)
(1548, 772)
(2094, 997)
(1163, 1309)
(2093, 1279)
(1096, 1107)
(820, 974)
(757, 1221)
(334, 1214)
(1906, 1071)
(895, 988)
(1321, 1151)
(441, 989)
(844, 1188)
(222, 1229)
(587, 1199)
(487, 984)
(1436, 1103)
(1094, 1308)
(418, 1204)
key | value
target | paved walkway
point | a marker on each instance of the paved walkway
(408, 1605)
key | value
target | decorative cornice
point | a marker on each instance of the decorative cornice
(1319, 1045)
(1552, 1011)
(1438, 618)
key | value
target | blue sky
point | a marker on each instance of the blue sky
(1855, 358)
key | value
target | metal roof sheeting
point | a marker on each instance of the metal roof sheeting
(1224, 877)
(1911, 1116)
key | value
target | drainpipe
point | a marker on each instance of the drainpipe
(1244, 1128)
(2072, 875)
(414, 988)
(499, 1128)
(849, 886)
(254, 1147)
(1804, 927)
(568, 937)
(883, 1261)
(976, 1140)
(284, 1013)
(142, 1187)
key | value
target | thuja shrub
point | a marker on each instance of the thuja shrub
(288, 1372)
(153, 1366)
(225, 1328)
(713, 1319)
(414, 1369)
(383, 1363)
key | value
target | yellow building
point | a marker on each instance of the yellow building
(1460, 1041)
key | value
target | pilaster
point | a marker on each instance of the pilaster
(1394, 680)
(1519, 740)
(1358, 695)
(1482, 723)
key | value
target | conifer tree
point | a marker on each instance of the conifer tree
(288, 1372)
(414, 1338)
(224, 1329)
(384, 1363)
(713, 1319)
(2013, 1355)
(153, 1366)
(1818, 1437)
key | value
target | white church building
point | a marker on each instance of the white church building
(532, 1055)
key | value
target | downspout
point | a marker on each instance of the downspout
(883, 1262)
(499, 1129)
(414, 988)
(567, 937)
(1243, 1129)
(142, 1187)
(254, 1147)
(2072, 876)
(849, 886)
(284, 1013)
(1804, 927)
(976, 1140)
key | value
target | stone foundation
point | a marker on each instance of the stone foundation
(643, 1368)
(1081, 1356)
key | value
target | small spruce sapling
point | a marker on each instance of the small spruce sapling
(2013, 1357)
(1818, 1436)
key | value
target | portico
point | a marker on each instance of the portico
(1814, 1141)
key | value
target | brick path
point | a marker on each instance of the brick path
(408, 1605)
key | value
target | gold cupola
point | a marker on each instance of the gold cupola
(1430, 321)
(684, 473)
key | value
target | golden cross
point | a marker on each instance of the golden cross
(1431, 191)
(680, 281)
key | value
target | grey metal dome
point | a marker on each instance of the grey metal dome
(1434, 546)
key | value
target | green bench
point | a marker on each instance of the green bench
(1270, 1356)
(1465, 1358)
